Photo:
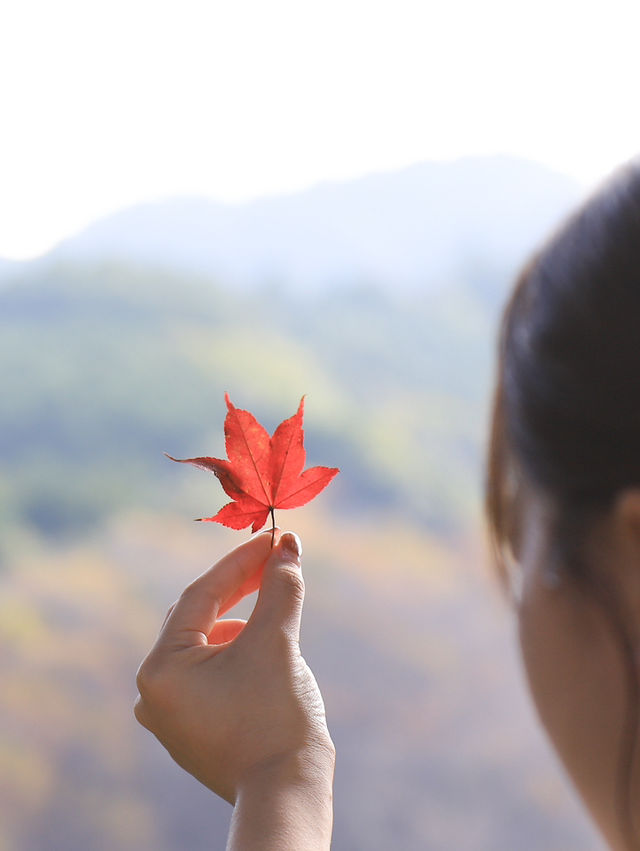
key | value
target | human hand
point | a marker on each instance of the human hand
(234, 702)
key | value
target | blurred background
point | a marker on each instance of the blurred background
(278, 199)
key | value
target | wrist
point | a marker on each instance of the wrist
(286, 802)
(311, 766)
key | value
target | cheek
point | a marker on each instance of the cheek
(576, 677)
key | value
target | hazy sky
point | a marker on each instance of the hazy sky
(103, 104)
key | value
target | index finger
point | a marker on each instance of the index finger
(194, 615)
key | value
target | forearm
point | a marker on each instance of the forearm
(285, 808)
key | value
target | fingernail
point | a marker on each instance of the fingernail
(291, 545)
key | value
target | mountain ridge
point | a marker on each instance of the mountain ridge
(401, 230)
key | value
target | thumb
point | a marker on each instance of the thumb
(281, 594)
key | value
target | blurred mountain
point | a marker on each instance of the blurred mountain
(402, 230)
(106, 366)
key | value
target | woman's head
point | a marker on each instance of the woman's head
(564, 488)
(567, 410)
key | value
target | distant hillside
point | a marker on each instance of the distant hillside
(104, 367)
(405, 230)
(113, 349)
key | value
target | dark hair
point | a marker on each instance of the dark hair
(566, 415)
(567, 405)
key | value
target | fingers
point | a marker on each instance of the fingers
(281, 594)
(193, 617)
(226, 630)
(248, 587)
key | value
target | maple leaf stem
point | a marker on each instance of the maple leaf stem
(273, 525)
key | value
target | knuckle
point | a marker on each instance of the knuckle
(150, 679)
(199, 589)
(188, 591)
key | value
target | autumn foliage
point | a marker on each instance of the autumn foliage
(262, 473)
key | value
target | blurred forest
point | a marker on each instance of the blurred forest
(104, 365)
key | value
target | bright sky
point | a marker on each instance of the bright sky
(103, 104)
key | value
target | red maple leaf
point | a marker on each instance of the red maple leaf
(263, 473)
